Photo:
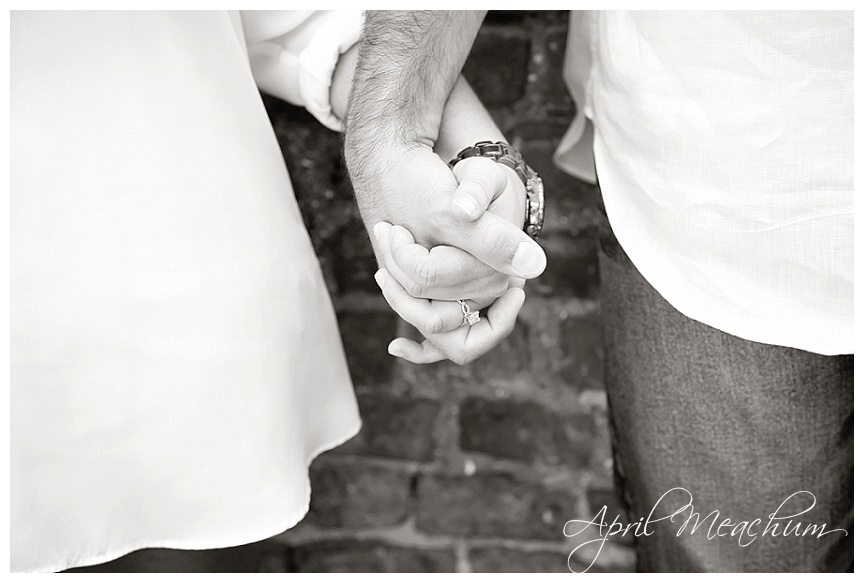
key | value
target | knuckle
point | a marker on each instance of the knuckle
(414, 289)
(499, 243)
(425, 275)
(434, 324)
(475, 185)
(499, 285)
(439, 226)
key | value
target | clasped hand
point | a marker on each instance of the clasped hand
(449, 236)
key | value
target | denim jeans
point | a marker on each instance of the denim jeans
(739, 426)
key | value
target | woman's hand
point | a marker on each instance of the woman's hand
(441, 323)
(442, 252)
(493, 190)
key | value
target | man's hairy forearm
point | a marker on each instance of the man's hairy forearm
(408, 113)
(409, 62)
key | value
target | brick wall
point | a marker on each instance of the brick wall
(473, 468)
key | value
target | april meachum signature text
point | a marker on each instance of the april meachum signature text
(746, 531)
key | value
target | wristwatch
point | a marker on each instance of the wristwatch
(507, 155)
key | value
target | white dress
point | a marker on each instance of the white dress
(175, 359)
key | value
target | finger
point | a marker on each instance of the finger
(490, 331)
(384, 233)
(430, 317)
(425, 353)
(502, 314)
(440, 267)
(481, 180)
(442, 273)
(467, 343)
(381, 231)
(501, 245)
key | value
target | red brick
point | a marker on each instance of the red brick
(498, 506)
(497, 67)
(538, 129)
(357, 496)
(353, 260)
(325, 197)
(557, 97)
(575, 214)
(395, 427)
(351, 556)
(508, 359)
(572, 267)
(313, 158)
(515, 560)
(365, 336)
(525, 431)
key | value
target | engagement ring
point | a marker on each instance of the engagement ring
(468, 317)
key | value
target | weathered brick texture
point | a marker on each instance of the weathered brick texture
(473, 468)
(350, 556)
(495, 506)
(353, 495)
(364, 333)
(516, 560)
(396, 427)
(497, 65)
(525, 431)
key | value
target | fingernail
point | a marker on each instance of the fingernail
(467, 204)
(380, 230)
(378, 278)
(529, 260)
(393, 351)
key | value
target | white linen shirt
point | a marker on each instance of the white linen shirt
(723, 146)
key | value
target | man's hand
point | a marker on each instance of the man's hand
(442, 248)
(406, 98)
(441, 322)
(451, 256)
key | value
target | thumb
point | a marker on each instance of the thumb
(502, 246)
(481, 180)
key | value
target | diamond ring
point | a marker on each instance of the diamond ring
(468, 317)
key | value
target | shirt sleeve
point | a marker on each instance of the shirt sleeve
(293, 54)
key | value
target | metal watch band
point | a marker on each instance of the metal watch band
(510, 157)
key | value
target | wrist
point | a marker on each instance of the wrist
(464, 121)
(380, 174)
